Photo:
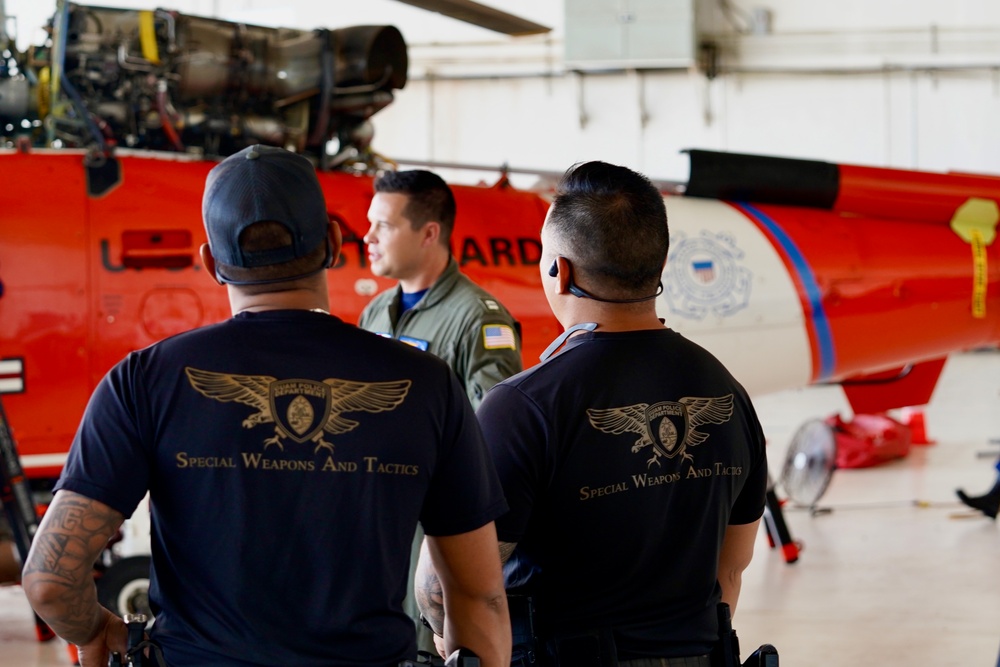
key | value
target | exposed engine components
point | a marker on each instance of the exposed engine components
(168, 81)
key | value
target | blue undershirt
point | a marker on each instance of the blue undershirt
(410, 299)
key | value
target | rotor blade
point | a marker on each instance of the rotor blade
(666, 186)
(481, 15)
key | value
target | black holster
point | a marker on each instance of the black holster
(727, 650)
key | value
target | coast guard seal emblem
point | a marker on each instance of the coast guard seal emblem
(705, 276)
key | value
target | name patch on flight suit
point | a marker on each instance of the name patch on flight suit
(415, 342)
(498, 337)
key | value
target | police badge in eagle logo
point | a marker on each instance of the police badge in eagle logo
(668, 434)
(670, 427)
(295, 405)
(300, 414)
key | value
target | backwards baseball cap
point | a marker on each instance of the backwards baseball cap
(264, 184)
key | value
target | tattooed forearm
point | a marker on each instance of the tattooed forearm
(58, 573)
(506, 549)
(430, 599)
(428, 592)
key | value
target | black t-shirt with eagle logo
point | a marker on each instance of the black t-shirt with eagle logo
(288, 456)
(623, 459)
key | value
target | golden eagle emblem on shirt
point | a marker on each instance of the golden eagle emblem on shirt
(301, 410)
(670, 426)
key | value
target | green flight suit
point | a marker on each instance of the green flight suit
(457, 321)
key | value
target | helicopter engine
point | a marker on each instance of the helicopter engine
(167, 81)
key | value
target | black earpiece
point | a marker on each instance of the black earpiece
(580, 293)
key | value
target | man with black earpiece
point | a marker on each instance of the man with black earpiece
(632, 461)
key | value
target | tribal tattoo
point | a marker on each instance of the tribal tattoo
(58, 573)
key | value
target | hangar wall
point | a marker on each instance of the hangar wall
(907, 120)
(884, 82)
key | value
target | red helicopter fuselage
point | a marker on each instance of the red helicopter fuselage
(785, 295)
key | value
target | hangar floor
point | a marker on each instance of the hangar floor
(897, 573)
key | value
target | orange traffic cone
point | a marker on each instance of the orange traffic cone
(914, 418)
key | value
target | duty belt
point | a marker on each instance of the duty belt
(694, 661)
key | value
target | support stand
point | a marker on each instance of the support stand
(777, 529)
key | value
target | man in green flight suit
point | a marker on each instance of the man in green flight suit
(435, 306)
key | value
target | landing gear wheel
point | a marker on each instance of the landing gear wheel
(124, 587)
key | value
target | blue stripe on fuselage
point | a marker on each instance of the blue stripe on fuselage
(820, 323)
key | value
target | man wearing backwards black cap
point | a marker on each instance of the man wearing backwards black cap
(289, 457)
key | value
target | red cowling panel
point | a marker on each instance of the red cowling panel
(909, 195)
(897, 388)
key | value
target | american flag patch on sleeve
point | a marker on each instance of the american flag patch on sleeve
(498, 337)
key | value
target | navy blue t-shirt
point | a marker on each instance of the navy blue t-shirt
(289, 457)
(623, 459)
